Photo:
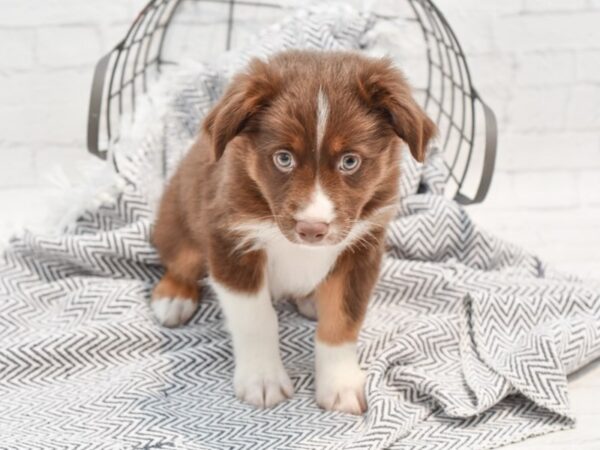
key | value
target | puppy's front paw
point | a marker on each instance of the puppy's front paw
(344, 393)
(264, 386)
(340, 382)
(172, 312)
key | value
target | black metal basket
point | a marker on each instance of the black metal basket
(446, 93)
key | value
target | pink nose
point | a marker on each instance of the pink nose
(312, 231)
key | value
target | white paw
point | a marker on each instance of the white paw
(345, 394)
(172, 312)
(307, 306)
(340, 382)
(264, 386)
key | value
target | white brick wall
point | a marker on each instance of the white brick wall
(48, 49)
(536, 62)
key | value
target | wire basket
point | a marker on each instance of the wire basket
(442, 81)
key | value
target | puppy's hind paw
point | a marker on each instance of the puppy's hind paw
(307, 306)
(173, 312)
(174, 302)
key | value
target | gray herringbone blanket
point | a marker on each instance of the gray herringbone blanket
(467, 342)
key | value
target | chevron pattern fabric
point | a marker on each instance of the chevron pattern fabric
(467, 342)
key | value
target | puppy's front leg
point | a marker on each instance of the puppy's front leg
(260, 378)
(341, 306)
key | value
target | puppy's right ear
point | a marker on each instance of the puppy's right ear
(247, 94)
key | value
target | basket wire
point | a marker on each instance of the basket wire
(448, 96)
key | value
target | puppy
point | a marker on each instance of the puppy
(286, 194)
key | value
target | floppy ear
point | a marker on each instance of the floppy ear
(247, 94)
(385, 89)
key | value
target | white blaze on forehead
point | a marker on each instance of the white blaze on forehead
(319, 209)
(322, 115)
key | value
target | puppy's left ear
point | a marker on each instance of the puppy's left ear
(247, 94)
(385, 90)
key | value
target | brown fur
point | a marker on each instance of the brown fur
(342, 298)
(228, 178)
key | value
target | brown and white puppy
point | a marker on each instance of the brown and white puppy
(286, 194)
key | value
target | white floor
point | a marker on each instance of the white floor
(568, 238)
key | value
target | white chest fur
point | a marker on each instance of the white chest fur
(296, 270)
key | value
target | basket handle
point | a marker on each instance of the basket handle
(95, 110)
(489, 157)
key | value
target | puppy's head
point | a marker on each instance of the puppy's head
(322, 133)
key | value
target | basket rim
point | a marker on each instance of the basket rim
(106, 68)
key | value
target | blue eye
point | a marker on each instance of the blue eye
(284, 160)
(349, 163)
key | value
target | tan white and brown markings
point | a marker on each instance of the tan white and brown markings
(286, 194)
